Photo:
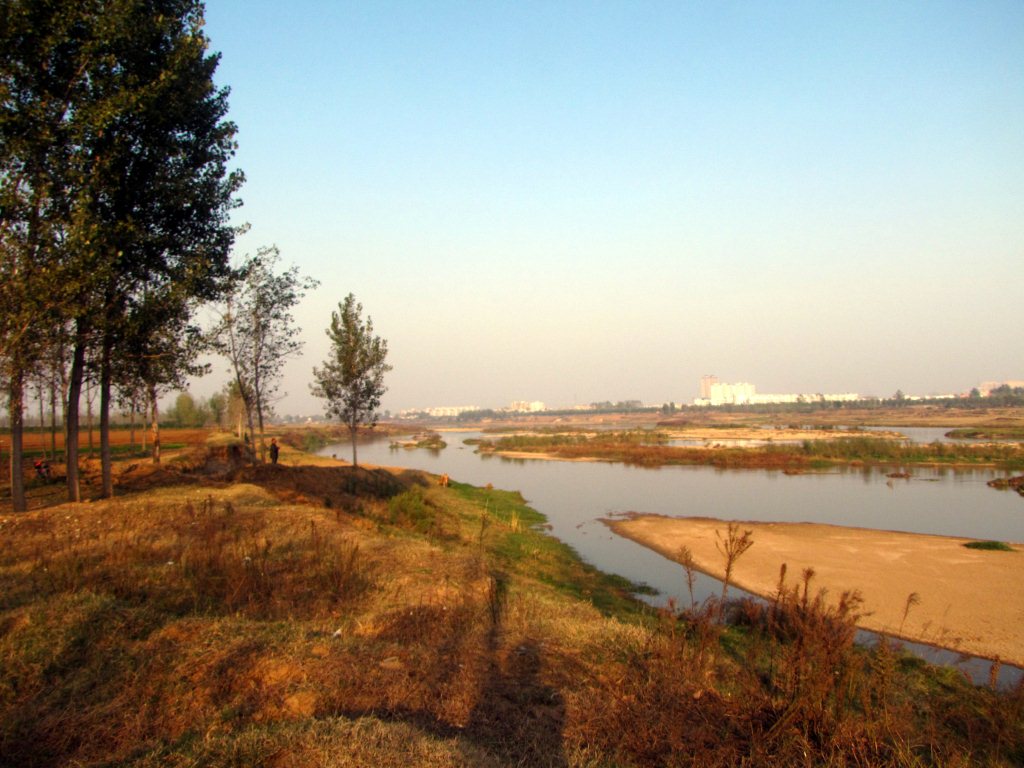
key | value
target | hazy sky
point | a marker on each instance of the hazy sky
(572, 202)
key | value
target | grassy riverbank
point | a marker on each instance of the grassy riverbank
(315, 614)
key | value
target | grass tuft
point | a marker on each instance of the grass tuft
(996, 546)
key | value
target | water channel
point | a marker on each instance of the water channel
(576, 496)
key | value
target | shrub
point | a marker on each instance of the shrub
(410, 509)
(998, 546)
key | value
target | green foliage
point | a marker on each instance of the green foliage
(987, 433)
(513, 533)
(410, 509)
(218, 406)
(559, 440)
(996, 546)
(432, 442)
(314, 441)
(187, 413)
(896, 452)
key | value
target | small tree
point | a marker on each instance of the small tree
(187, 412)
(217, 405)
(257, 333)
(352, 378)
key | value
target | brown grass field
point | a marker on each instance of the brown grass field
(35, 440)
(218, 613)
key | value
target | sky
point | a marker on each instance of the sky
(574, 202)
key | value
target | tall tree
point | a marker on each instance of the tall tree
(115, 150)
(37, 72)
(257, 333)
(156, 193)
(352, 378)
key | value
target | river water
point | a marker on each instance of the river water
(576, 496)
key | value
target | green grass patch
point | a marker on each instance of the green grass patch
(995, 546)
(987, 433)
(511, 531)
(881, 450)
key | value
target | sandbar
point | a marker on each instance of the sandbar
(969, 600)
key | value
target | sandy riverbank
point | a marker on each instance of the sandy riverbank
(970, 600)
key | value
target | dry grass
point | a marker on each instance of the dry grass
(325, 616)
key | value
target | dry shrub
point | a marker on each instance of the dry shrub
(661, 707)
(802, 649)
(791, 689)
(202, 556)
(227, 561)
(334, 487)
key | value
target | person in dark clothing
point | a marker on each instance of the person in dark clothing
(274, 450)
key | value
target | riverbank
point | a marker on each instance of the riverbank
(222, 613)
(969, 600)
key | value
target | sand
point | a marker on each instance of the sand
(969, 600)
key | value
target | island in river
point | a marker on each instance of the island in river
(966, 599)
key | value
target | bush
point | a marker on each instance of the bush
(410, 509)
(998, 546)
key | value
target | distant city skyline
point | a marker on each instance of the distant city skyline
(579, 202)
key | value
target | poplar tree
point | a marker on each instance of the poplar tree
(113, 176)
(352, 378)
(38, 73)
(257, 333)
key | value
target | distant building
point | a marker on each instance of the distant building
(714, 392)
(523, 406)
(706, 382)
(986, 387)
(448, 411)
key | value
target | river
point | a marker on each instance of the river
(575, 496)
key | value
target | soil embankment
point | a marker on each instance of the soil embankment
(969, 600)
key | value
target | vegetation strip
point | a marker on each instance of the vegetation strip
(646, 448)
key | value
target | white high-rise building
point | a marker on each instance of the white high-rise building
(714, 392)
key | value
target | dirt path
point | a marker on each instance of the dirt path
(970, 600)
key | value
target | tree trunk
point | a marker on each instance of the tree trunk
(156, 423)
(15, 413)
(90, 395)
(353, 429)
(263, 447)
(65, 384)
(42, 421)
(106, 471)
(250, 437)
(71, 426)
(131, 426)
(53, 418)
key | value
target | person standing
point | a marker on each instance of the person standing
(274, 450)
